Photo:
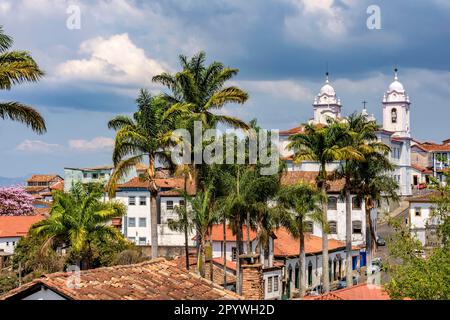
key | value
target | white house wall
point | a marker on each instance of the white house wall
(9, 244)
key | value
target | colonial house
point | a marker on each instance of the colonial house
(157, 279)
(13, 228)
(433, 157)
(86, 175)
(271, 271)
(422, 224)
(135, 195)
(287, 250)
(40, 186)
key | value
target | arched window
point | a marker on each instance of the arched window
(332, 203)
(394, 115)
(333, 227)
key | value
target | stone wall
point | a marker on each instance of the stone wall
(252, 282)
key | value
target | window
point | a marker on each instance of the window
(332, 203)
(95, 176)
(309, 227)
(356, 227)
(356, 204)
(131, 239)
(131, 201)
(394, 115)
(131, 222)
(102, 175)
(142, 201)
(181, 203)
(275, 283)
(142, 222)
(270, 284)
(169, 205)
(417, 212)
(85, 175)
(234, 254)
(333, 227)
(142, 241)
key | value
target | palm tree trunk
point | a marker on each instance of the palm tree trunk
(154, 224)
(201, 258)
(370, 234)
(348, 237)
(325, 277)
(239, 248)
(186, 244)
(224, 252)
(249, 243)
(302, 263)
(211, 269)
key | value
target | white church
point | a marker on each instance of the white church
(395, 130)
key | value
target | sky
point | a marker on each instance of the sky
(282, 48)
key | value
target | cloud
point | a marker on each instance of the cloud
(37, 146)
(279, 88)
(114, 60)
(96, 144)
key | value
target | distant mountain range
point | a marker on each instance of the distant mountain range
(6, 182)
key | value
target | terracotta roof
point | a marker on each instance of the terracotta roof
(43, 178)
(217, 271)
(293, 177)
(299, 129)
(217, 233)
(18, 226)
(427, 197)
(170, 183)
(421, 169)
(58, 186)
(286, 245)
(157, 279)
(362, 291)
(431, 147)
(230, 264)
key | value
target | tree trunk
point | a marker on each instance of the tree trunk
(238, 260)
(325, 276)
(186, 237)
(370, 233)
(211, 268)
(249, 242)
(348, 237)
(201, 258)
(224, 252)
(302, 264)
(154, 224)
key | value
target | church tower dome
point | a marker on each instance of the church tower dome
(396, 105)
(326, 103)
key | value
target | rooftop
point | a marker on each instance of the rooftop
(170, 183)
(157, 279)
(294, 177)
(362, 291)
(44, 178)
(18, 226)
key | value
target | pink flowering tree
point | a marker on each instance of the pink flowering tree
(15, 201)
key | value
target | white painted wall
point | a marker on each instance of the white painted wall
(274, 291)
(167, 237)
(9, 244)
(44, 294)
(419, 222)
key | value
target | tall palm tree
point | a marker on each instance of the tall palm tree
(197, 92)
(374, 183)
(298, 204)
(17, 67)
(362, 137)
(145, 136)
(78, 218)
(322, 145)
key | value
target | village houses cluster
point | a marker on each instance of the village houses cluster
(415, 162)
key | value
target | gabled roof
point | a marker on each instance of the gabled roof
(427, 197)
(299, 129)
(170, 183)
(362, 291)
(58, 186)
(44, 178)
(157, 279)
(217, 233)
(434, 147)
(421, 169)
(18, 226)
(294, 177)
(287, 246)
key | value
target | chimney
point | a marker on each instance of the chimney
(252, 277)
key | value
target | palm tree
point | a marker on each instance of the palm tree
(79, 218)
(197, 92)
(298, 204)
(362, 137)
(322, 144)
(17, 67)
(374, 183)
(146, 135)
(203, 215)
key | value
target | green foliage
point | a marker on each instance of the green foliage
(17, 67)
(414, 275)
(8, 281)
